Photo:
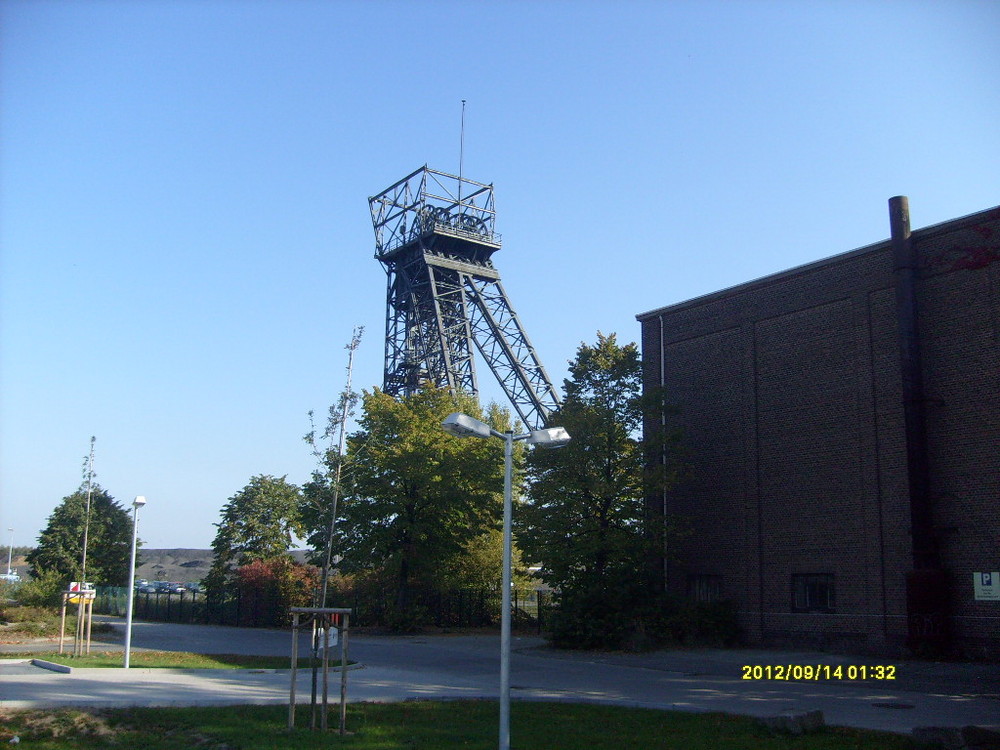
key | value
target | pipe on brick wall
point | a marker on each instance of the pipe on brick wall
(905, 274)
(927, 589)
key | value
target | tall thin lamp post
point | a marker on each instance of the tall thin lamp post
(10, 550)
(462, 425)
(136, 504)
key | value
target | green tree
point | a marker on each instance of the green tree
(583, 518)
(479, 565)
(257, 523)
(416, 496)
(315, 510)
(109, 543)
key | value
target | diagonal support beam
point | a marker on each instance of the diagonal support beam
(505, 346)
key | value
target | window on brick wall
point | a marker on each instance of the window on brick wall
(705, 588)
(813, 593)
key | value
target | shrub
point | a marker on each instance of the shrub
(704, 624)
(44, 590)
(631, 619)
(603, 618)
(34, 621)
(7, 590)
(410, 620)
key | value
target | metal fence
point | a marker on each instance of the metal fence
(159, 606)
(460, 608)
(452, 608)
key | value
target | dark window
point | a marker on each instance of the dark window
(813, 593)
(705, 588)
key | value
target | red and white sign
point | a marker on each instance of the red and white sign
(75, 587)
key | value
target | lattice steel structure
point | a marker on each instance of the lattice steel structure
(435, 235)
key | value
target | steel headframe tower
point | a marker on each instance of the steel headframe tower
(434, 234)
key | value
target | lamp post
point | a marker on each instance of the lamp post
(10, 550)
(136, 504)
(462, 425)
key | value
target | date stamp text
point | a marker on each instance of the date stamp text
(819, 672)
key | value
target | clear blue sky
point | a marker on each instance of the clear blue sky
(185, 237)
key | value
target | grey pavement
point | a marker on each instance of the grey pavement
(393, 668)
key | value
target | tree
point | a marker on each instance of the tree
(583, 519)
(322, 494)
(257, 524)
(109, 543)
(479, 567)
(416, 496)
(268, 588)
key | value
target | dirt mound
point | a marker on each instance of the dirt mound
(185, 565)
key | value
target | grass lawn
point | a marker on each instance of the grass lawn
(419, 725)
(171, 660)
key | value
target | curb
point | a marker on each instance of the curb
(52, 666)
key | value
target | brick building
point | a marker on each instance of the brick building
(841, 422)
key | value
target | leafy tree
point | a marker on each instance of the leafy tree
(109, 543)
(269, 587)
(415, 496)
(479, 565)
(583, 520)
(257, 524)
(314, 511)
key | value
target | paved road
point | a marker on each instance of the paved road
(466, 666)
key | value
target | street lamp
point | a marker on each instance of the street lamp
(462, 425)
(10, 551)
(136, 504)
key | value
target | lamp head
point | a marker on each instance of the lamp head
(462, 425)
(551, 437)
(138, 502)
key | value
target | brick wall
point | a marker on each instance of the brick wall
(960, 338)
(790, 403)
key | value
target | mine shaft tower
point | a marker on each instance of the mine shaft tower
(435, 235)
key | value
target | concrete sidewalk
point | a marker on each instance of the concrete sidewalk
(466, 666)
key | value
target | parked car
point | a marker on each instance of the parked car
(163, 587)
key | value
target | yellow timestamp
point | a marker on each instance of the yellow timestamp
(817, 672)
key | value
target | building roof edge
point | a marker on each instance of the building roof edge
(917, 234)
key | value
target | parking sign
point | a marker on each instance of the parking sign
(987, 586)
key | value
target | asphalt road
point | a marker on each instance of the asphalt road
(395, 668)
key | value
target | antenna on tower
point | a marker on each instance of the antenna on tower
(461, 159)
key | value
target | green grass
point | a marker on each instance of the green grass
(419, 725)
(170, 660)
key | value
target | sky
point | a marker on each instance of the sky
(186, 244)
